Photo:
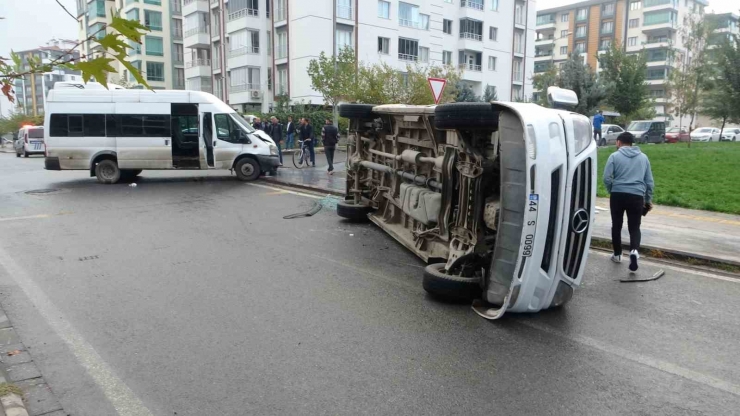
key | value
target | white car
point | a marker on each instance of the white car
(705, 134)
(30, 141)
(609, 132)
(730, 135)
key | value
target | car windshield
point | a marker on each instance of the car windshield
(36, 133)
(639, 126)
(674, 130)
(703, 131)
(244, 124)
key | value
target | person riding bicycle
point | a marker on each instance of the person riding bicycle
(307, 139)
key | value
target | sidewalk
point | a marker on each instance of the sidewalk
(681, 232)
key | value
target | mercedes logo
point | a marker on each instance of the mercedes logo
(579, 223)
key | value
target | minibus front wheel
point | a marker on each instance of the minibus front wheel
(247, 169)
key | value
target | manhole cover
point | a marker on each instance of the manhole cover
(42, 191)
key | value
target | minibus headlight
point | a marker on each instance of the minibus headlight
(273, 150)
(531, 139)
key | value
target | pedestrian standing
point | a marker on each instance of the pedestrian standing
(275, 131)
(629, 180)
(257, 124)
(290, 132)
(330, 137)
(307, 139)
(598, 121)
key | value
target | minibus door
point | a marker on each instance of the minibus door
(207, 129)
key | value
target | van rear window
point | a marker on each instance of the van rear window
(35, 133)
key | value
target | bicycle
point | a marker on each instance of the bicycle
(302, 157)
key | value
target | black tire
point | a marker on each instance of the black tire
(361, 111)
(466, 116)
(442, 285)
(353, 212)
(107, 172)
(247, 169)
(19, 155)
(25, 154)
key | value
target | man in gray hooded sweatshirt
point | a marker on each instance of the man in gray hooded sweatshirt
(629, 180)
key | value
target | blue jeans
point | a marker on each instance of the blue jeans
(289, 141)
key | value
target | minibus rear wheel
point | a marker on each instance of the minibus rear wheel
(247, 169)
(107, 171)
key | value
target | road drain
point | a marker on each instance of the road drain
(42, 191)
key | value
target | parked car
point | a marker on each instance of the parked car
(648, 131)
(609, 134)
(675, 135)
(705, 134)
(730, 135)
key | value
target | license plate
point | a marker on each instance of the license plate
(531, 216)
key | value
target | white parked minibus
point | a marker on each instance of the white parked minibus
(118, 133)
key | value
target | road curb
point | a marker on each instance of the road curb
(666, 252)
(13, 405)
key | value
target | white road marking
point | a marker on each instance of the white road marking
(282, 190)
(657, 364)
(28, 217)
(598, 208)
(677, 268)
(120, 396)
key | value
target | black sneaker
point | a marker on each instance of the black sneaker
(634, 255)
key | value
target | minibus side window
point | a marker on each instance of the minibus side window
(94, 125)
(58, 125)
(226, 130)
(75, 125)
(132, 125)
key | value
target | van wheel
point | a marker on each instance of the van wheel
(466, 116)
(455, 288)
(247, 169)
(107, 172)
(361, 111)
(350, 211)
(17, 154)
(25, 154)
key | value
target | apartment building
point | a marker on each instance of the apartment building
(31, 89)
(160, 58)
(249, 51)
(591, 27)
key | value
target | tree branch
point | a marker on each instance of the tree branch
(65, 9)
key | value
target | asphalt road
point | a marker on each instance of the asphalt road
(190, 295)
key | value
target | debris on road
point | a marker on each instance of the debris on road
(655, 276)
(133, 185)
(316, 208)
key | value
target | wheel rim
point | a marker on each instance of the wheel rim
(247, 169)
(107, 172)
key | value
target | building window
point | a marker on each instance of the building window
(447, 26)
(581, 31)
(179, 78)
(605, 44)
(493, 33)
(632, 41)
(269, 43)
(179, 54)
(634, 23)
(154, 2)
(518, 41)
(491, 63)
(280, 12)
(661, 17)
(607, 28)
(244, 42)
(176, 28)
(424, 21)
(135, 47)
(344, 39)
(423, 54)
(447, 57)
(657, 93)
(409, 16)
(580, 47)
(473, 4)
(384, 45)
(471, 29)
(545, 19)
(154, 71)
(133, 14)
(282, 81)
(564, 17)
(154, 46)
(563, 50)
(344, 9)
(384, 9)
(245, 78)
(519, 13)
(408, 49)
(635, 5)
(581, 14)
(607, 10)
(494, 5)
(153, 20)
(282, 45)
(563, 33)
(517, 65)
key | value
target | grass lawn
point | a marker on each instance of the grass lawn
(705, 176)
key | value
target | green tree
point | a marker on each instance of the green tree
(16, 120)
(490, 94)
(113, 39)
(335, 78)
(722, 101)
(544, 80)
(578, 76)
(624, 76)
(381, 83)
(465, 93)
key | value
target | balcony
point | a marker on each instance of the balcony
(469, 67)
(197, 37)
(198, 68)
(472, 4)
(543, 56)
(653, 5)
(193, 6)
(345, 12)
(654, 28)
(254, 50)
(470, 35)
(244, 87)
(546, 22)
(410, 23)
(550, 40)
(409, 58)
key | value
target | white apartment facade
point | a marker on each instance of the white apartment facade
(160, 57)
(249, 51)
(591, 27)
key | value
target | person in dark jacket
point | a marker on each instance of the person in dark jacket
(629, 180)
(290, 133)
(275, 131)
(330, 137)
(307, 138)
(257, 124)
